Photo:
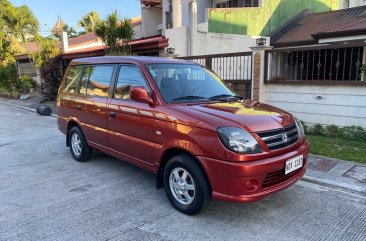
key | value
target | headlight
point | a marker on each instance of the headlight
(239, 140)
(300, 128)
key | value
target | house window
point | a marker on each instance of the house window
(168, 17)
(238, 3)
(337, 64)
(249, 3)
(27, 68)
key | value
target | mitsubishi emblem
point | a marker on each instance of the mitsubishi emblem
(284, 137)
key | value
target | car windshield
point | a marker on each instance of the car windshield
(188, 83)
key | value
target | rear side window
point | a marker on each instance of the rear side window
(128, 76)
(95, 80)
(72, 79)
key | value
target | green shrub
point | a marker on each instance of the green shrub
(25, 83)
(347, 132)
(8, 76)
(318, 129)
(332, 130)
(51, 75)
(354, 133)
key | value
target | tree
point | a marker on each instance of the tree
(51, 75)
(17, 25)
(115, 32)
(89, 21)
(48, 51)
(20, 22)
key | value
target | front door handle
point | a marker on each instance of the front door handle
(112, 114)
(78, 107)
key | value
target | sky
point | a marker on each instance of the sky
(71, 11)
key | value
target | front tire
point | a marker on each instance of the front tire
(78, 145)
(186, 185)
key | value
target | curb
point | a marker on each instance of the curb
(342, 187)
(26, 108)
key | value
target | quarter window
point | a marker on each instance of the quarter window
(72, 79)
(128, 77)
(95, 80)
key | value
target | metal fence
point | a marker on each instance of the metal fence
(316, 64)
(234, 68)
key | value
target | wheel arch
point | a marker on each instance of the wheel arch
(169, 153)
(70, 124)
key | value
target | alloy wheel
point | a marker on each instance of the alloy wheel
(182, 186)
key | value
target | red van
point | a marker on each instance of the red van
(183, 123)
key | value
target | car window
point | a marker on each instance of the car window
(187, 82)
(84, 80)
(72, 79)
(128, 76)
(95, 80)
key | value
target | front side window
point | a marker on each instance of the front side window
(187, 83)
(72, 79)
(128, 77)
(95, 80)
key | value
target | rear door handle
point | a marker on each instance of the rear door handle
(112, 114)
(78, 107)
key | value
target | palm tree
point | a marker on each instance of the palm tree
(20, 22)
(89, 21)
(17, 24)
(115, 32)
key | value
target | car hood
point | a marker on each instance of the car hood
(252, 116)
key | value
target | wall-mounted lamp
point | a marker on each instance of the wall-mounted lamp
(261, 41)
(170, 50)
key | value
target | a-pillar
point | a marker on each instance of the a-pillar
(258, 90)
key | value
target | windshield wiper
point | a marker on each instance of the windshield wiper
(189, 97)
(225, 97)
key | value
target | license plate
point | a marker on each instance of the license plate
(294, 164)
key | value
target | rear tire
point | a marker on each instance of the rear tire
(186, 185)
(78, 145)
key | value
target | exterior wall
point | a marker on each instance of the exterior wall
(151, 21)
(137, 32)
(208, 43)
(178, 39)
(340, 105)
(216, 43)
(352, 3)
(180, 13)
(202, 10)
(28, 68)
(263, 20)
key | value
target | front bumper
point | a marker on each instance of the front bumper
(246, 181)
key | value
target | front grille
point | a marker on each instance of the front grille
(280, 138)
(277, 177)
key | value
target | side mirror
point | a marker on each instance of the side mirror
(140, 94)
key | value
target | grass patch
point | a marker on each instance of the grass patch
(346, 143)
(337, 147)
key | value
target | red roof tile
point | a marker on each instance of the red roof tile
(83, 39)
(31, 47)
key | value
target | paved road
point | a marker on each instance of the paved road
(46, 195)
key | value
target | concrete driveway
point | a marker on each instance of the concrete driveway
(46, 195)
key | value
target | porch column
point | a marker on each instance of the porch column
(258, 70)
(177, 6)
